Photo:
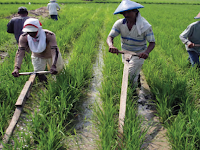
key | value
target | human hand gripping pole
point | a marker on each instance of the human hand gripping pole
(143, 55)
(53, 69)
(17, 74)
(191, 45)
(37, 73)
(115, 50)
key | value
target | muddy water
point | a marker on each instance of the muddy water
(87, 134)
(156, 138)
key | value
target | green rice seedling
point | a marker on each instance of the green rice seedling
(107, 114)
(61, 99)
(107, 125)
(101, 1)
(134, 131)
(33, 2)
(174, 85)
(169, 1)
(184, 130)
(182, 138)
(20, 142)
(10, 88)
(5, 36)
(171, 80)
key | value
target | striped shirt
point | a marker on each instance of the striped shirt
(131, 40)
(52, 7)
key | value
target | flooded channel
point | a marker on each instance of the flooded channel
(156, 138)
(87, 133)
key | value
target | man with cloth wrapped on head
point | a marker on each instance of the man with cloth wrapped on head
(191, 38)
(135, 32)
(44, 49)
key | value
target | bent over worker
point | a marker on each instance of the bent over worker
(43, 46)
(191, 38)
(135, 32)
(15, 25)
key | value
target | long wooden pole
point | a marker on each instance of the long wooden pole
(123, 97)
(19, 107)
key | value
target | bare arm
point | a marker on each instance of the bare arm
(18, 61)
(145, 54)
(54, 52)
(112, 49)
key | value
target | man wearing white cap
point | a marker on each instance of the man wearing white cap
(44, 49)
(135, 32)
(191, 38)
(53, 7)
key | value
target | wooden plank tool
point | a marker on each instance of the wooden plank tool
(25, 93)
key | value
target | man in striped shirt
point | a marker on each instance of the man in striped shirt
(135, 32)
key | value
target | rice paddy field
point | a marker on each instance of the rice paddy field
(82, 27)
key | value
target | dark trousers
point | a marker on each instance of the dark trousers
(194, 58)
(55, 17)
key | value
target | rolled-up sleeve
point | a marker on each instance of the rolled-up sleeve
(185, 34)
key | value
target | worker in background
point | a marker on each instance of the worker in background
(191, 38)
(135, 31)
(53, 8)
(43, 46)
(15, 25)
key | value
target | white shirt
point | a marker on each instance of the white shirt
(191, 34)
(52, 7)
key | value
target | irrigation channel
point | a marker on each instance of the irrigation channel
(87, 135)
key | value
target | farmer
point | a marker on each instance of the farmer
(15, 25)
(135, 31)
(53, 7)
(44, 49)
(191, 38)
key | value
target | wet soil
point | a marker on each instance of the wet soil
(40, 12)
(87, 134)
(156, 138)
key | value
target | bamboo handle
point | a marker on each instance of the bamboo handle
(38, 72)
(127, 52)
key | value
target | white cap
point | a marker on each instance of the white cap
(31, 25)
(30, 28)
